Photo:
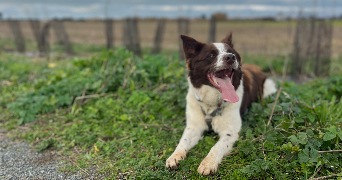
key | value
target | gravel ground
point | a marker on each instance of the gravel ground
(19, 161)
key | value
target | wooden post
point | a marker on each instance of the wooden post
(44, 38)
(135, 37)
(18, 36)
(159, 36)
(183, 29)
(62, 35)
(312, 48)
(125, 38)
(35, 26)
(109, 33)
(212, 30)
(131, 36)
(297, 59)
(323, 51)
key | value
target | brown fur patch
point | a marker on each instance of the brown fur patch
(253, 82)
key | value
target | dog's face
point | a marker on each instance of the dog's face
(217, 65)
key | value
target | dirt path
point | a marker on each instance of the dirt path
(19, 161)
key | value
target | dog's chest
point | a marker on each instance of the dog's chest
(207, 96)
(210, 113)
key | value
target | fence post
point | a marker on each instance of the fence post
(125, 38)
(135, 39)
(62, 35)
(35, 26)
(312, 48)
(109, 33)
(323, 50)
(212, 30)
(159, 36)
(183, 29)
(18, 36)
(131, 36)
(44, 38)
(303, 35)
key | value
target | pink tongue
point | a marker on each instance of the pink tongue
(227, 90)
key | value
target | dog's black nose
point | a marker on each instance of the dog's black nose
(230, 58)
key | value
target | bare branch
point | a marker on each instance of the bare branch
(279, 90)
(320, 152)
(325, 177)
(316, 172)
(79, 167)
(232, 153)
(124, 138)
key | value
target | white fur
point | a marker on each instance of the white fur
(222, 51)
(269, 87)
(227, 126)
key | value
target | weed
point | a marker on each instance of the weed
(126, 114)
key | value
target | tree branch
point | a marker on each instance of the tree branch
(279, 90)
(320, 152)
(325, 177)
(316, 172)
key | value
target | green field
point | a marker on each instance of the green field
(124, 115)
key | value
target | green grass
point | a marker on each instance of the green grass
(134, 116)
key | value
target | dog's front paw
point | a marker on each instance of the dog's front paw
(208, 166)
(173, 161)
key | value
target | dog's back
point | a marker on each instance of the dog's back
(256, 86)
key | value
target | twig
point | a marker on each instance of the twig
(313, 109)
(325, 177)
(319, 121)
(279, 90)
(101, 140)
(236, 152)
(109, 77)
(271, 68)
(90, 96)
(166, 126)
(76, 150)
(316, 172)
(85, 90)
(79, 167)
(263, 152)
(87, 97)
(291, 157)
(320, 152)
(262, 135)
(126, 173)
(268, 150)
(125, 138)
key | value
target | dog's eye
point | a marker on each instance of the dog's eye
(211, 55)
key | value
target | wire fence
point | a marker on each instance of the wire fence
(308, 40)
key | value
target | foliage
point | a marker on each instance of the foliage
(132, 116)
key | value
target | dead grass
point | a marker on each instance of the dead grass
(259, 37)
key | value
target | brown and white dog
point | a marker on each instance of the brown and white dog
(220, 91)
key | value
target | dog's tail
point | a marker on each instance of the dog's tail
(269, 87)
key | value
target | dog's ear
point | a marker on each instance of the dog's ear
(191, 47)
(228, 39)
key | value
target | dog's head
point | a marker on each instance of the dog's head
(217, 65)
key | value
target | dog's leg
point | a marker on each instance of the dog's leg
(228, 128)
(192, 134)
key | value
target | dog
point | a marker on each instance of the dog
(221, 89)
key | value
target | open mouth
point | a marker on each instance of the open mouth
(222, 80)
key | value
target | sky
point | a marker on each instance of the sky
(83, 9)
